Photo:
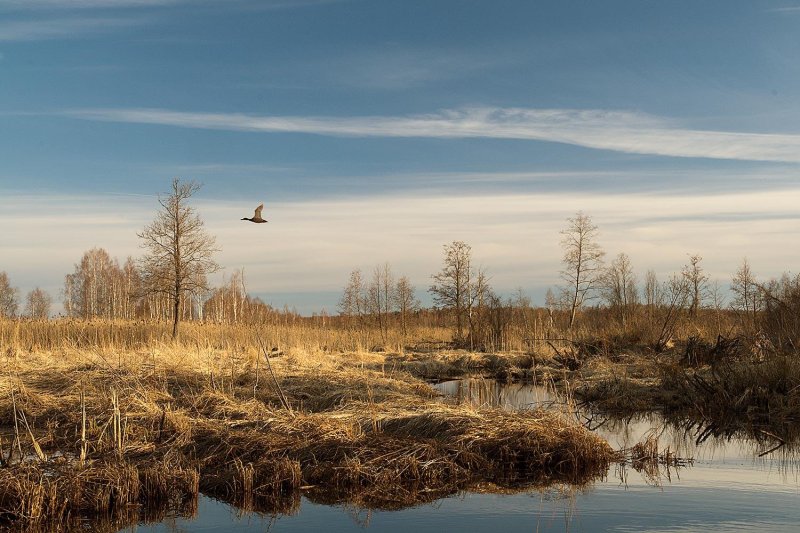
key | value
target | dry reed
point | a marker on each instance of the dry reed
(128, 433)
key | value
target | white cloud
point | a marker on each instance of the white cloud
(620, 131)
(55, 28)
(788, 9)
(85, 4)
(120, 4)
(311, 246)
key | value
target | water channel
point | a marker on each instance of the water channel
(728, 487)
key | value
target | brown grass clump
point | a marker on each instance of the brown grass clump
(39, 495)
(124, 435)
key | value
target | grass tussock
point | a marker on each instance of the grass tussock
(42, 496)
(124, 434)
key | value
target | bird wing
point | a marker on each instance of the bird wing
(258, 211)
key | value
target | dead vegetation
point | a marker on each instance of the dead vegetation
(123, 435)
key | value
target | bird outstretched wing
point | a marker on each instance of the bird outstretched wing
(258, 211)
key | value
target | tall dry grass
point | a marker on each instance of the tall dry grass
(110, 427)
(38, 335)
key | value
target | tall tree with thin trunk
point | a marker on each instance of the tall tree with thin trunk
(38, 304)
(381, 296)
(583, 262)
(178, 250)
(619, 288)
(406, 301)
(451, 286)
(8, 297)
(747, 295)
(698, 283)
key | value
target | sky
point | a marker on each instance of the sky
(380, 130)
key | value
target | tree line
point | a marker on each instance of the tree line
(170, 283)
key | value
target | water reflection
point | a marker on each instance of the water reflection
(728, 488)
(683, 436)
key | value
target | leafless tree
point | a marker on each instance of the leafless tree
(131, 288)
(583, 262)
(698, 283)
(551, 303)
(481, 299)
(675, 293)
(652, 290)
(747, 297)
(98, 287)
(38, 304)
(353, 303)
(406, 301)
(718, 299)
(381, 296)
(178, 250)
(8, 297)
(451, 286)
(618, 286)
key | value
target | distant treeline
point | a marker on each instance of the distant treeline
(595, 300)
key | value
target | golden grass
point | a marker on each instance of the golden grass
(150, 427)
(304, 334)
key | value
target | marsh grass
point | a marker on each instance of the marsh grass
(126, 433)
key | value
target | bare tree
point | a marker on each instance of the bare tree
(8, 297)
(652, 290)
(552, 304)
(619, 287)
(718, 300)
(406, 301)
(675, 293)
(583, 262)
(179, 251)
(381, 296)
(698, 283)
(353, 303)
(481, 298)
(451, 286)
(747, 297)
(96, 288)
(38, 304)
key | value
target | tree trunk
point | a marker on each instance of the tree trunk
(176, 316)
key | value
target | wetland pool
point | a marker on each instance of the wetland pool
(728, 487)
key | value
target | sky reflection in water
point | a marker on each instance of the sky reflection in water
(727, 489)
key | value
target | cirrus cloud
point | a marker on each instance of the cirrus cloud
(619, 131)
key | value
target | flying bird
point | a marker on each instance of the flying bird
(257, 217)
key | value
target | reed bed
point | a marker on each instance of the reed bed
(122, 434)
(302, 333)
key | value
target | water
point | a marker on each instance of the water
(728, 488)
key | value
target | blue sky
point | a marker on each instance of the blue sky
(378, 130)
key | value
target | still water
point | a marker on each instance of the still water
(727, 488)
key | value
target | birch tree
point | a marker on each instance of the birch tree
(38, 304)
(619, 287)
(178, 250)
(451, 286)
(698, 284)
(583, 262)
(406, 301)
(8, 297)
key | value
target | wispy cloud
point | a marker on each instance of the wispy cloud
(620, 131)
(57, 28)
(122, 4)
(87, 4)
(787, 9)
